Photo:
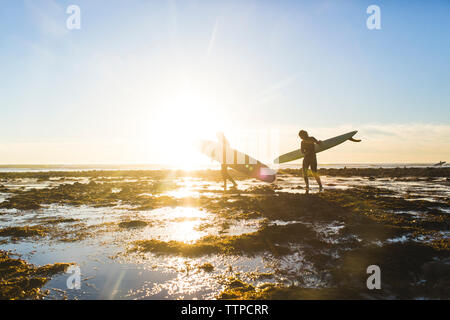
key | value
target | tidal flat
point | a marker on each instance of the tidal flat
(167, 234)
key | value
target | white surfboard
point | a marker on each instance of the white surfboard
(239, 161)
(325, 145)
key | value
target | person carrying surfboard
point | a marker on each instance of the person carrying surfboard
(308, 148)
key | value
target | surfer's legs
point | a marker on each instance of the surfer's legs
(226, 177)
(319, 182)
(311, 162)
(315, 173)
(305, 172)
(305, 176)
(232, 180)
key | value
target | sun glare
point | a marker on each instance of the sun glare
(181, 122)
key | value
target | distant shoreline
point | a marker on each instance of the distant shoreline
(214, 166)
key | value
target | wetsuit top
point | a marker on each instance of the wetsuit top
(308, 146)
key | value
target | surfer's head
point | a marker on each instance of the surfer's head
(303, 134)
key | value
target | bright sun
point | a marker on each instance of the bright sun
(181, 122)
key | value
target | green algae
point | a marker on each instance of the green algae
(378, 172)
(401, 266)
(367, 214)
(260, 275)
(236, 289)
(53, 221)
(268, 238)
(441, 244)
(373, 215)
(76, 232)
(133, 224)
(21, 203)
(207, 267)
(264, 189)
(93, 193)
(20, 280)
(239, 290)
(82, 231)
(278, 292)
(404, 270)
(23, 232)
(213, 175)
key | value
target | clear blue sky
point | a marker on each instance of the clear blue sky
(137, 65)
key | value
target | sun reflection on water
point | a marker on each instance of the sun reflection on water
(178, 224)
(192, 187)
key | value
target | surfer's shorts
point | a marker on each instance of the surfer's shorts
(310, 162)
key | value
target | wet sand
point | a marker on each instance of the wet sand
(177, 235)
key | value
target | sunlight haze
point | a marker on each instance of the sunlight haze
(141, 81)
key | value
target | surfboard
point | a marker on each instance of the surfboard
(325, 145)
(236, 160)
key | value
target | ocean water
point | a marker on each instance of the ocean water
(75, 167)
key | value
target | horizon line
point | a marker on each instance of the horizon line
(6, 165)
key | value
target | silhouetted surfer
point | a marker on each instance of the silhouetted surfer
(310, 159)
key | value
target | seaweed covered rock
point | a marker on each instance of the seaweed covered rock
(23, 232)
(133, 224)
(21, 280)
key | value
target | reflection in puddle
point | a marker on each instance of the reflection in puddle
(179, 224)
